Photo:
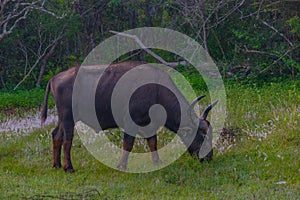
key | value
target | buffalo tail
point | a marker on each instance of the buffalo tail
(45, 106)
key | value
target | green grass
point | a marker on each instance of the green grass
(266, 153)
(23, 99)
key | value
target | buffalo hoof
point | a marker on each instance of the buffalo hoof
(56, 166)
(206, 159)
(122, 167)
(69, 170)
(157, 162)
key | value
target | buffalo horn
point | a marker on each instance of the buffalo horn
(208, 109)
(191, 107)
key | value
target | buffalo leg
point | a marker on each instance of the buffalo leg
(128, 141)
(57, 139)
(152, 143)
(67, 144)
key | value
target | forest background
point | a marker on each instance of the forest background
(250, 41)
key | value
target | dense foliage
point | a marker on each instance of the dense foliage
(249, 40)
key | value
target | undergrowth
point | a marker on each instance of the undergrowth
(23, 99)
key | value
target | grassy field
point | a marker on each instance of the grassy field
(262, 163)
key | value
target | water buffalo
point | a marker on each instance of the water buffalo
(61, 86)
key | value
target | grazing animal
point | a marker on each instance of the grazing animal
(175, 105)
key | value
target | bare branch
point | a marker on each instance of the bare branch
(204, 33)
(259, 52)
(10, 18)
(226, 15)
(24, 51)
(277, 31)
(206, 12)
(50, 13)
(43, 54)
(257, 13)
(157, 57)
(277, 60)
(259, 9)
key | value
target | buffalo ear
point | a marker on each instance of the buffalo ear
(203, 125)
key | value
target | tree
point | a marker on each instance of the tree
(13, 12)
(32, 41)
